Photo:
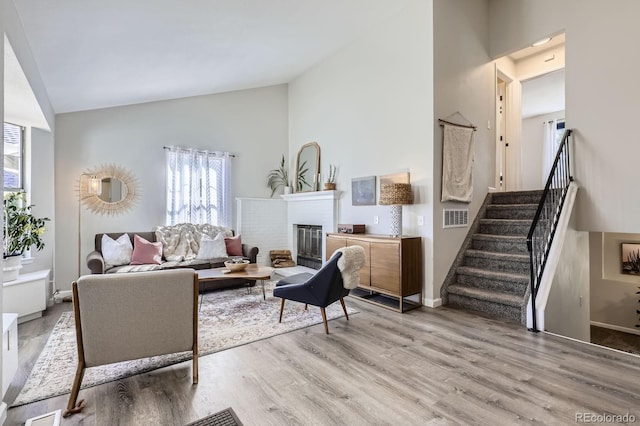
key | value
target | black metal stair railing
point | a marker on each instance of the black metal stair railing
(546, 219)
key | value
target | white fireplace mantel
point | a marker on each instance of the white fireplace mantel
(312, 196)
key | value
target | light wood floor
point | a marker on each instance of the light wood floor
(427, 366)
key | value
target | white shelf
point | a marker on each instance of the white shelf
(26, 296)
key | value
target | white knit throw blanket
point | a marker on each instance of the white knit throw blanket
(182, 241)
(349, 265)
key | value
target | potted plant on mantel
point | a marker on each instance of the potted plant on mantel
(330, 184)
(22, 230)
(279, 177)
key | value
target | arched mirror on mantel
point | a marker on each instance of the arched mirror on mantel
(108, 190)
(307, 168)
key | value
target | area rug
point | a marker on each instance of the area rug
(615, 339)
(227, 318)
(226, 417)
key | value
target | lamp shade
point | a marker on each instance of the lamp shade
(395, 194)
(94, 185)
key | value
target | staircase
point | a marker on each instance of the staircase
(491, 273)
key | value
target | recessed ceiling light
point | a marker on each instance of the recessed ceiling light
(541, 42)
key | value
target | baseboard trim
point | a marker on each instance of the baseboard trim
(616, 327)
(432, 303)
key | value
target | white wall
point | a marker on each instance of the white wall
(601, 99)
(532, 150)
(613, 294)
(16, 36)
(39, 157)
(464, 81)
(535, 65)
(41, 191)
(251, 124)
(370, 108)
(10, 25)
(568, 308)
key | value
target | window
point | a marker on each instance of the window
(198, 187)
(559, 131)
(13, 149)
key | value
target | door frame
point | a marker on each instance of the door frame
(508, 150)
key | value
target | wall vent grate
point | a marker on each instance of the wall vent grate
(455, 218)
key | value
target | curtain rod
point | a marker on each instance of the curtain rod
(198, 150)
(471, 126)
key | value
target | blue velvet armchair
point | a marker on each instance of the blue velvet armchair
(321, 289)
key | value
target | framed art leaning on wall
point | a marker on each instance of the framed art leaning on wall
(630, 258)
(363, 191)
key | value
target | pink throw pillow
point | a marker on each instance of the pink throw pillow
(146, 252)
(234, 246)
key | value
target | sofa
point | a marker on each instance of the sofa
(180, 246)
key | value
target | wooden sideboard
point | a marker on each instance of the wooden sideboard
(392, 269)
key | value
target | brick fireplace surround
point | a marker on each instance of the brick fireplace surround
(271, 223)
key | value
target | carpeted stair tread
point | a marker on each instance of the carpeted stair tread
(499, 276)
(500, 243)
(487, 295)
(511, 211)
(506, 221)
(494, 237)
(495, 280)
(493, 309)
(498, 256)
(506, 262)
(505, 226)
(517, 197)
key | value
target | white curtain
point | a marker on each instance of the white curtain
(198, 186)
(549, 149)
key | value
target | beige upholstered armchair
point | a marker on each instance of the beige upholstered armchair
(123, 317)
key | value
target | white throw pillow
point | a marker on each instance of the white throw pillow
(116, 252)
(212, 248)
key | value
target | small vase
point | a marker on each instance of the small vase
(287, 190)
(329, 186)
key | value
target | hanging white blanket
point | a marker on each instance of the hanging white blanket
(457, 164)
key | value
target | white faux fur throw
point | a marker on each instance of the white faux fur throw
(349, 264)
(457, 164)
(182, 241)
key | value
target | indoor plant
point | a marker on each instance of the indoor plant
(330, 184)
(278, 177)
(22, 230)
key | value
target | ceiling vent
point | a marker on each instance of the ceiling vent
(455, 218)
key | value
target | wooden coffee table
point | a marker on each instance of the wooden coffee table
(252, 272)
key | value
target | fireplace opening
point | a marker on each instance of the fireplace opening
(310, 246)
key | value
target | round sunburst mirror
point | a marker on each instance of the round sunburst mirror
(108, 190)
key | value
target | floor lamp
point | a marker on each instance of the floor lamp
(89, 185)
(395, 195)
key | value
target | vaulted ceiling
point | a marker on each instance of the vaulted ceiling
(100, 54)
